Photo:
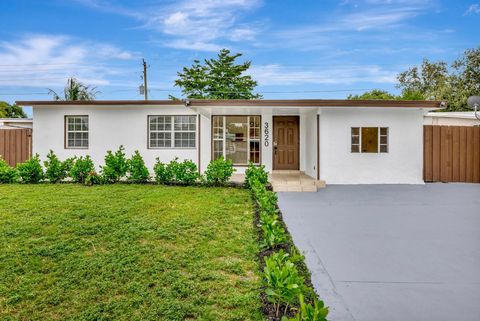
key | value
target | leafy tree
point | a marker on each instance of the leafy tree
(219, 78)
(75, 90)
(385, 95)
(374, 94)
(439, 81)
(11, 111)
(431, 79)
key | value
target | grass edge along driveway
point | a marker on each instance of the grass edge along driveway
(127, 252)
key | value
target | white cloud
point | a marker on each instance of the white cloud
(472, 9)
(275, 74)
(48, 60)
(190, 24)
(193, 45)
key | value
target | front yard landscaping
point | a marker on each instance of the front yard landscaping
(128, 252)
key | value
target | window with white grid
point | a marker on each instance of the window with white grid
(172, 131)
(76, 132)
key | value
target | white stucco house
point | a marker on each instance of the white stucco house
(337, 141)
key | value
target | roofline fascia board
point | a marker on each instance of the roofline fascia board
(247, 103)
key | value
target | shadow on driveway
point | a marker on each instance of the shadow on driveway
(391, 252)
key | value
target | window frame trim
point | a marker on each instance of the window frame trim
(378, 139)
(172, 132)
(66, 131)
(248, 138)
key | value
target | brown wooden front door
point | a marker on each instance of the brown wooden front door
(286, 142)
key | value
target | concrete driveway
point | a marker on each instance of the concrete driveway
(391, 252)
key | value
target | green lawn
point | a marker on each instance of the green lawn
(127, 252)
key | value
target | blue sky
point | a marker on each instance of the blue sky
(298, 49)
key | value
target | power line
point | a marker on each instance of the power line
(22, 94)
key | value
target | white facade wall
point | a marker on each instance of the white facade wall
(310, 148)
(109, 127)
(403, 164)
(112, 126)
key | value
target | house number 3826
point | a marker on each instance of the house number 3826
(266, 131)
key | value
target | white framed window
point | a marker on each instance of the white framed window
(172, 131)
(369, 139)
(76, 132)
(236, 138)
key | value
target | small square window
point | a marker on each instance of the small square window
(369, 140)
(76, 134)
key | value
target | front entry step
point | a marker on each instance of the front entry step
(294, 181)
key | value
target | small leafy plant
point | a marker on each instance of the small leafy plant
(282, 281)
(8, 174)
(30, 171)
(137, 171)
(185, 172)
(163, 174)
(55, 169)
(93, 178)
(255, 173)
(273, 234)
(116, 165)
(308, 312)
(81, 168)
(219, 171)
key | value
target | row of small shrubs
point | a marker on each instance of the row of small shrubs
(285, 287)
(117, 168)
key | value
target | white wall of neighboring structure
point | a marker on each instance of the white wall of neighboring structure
(403, 164)
(466, 118)
(109, 127)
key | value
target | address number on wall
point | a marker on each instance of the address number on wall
(266, 132)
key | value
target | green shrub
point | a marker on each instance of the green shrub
(255, 173)
(81, 167)
(308, 312)
(8, 174)
(30, 171)
(219, 171)
(163, 174)
(116, 165)
(183, 172)
(273, 234)
(282, 281)
(93, 178)
(55, 169)
(137, 171)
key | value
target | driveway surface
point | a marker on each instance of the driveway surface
(391, 252)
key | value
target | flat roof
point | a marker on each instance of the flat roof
(246, 103)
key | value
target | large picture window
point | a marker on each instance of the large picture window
(369, 139)
(76, 132)
(236, 138)
(172, 131)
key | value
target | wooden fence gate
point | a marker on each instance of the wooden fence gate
(15, 145)
(451, 154)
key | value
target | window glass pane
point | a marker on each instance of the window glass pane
(355, 148)
(254, 127)
(383, 140)
(383, 149)
(236, 148)
(355, 131)
(369, 139)
(217, 148)
(355, 140)
(383, 131)
(255, 152)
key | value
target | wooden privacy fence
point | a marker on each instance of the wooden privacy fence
(451, 154)
(15, 145)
